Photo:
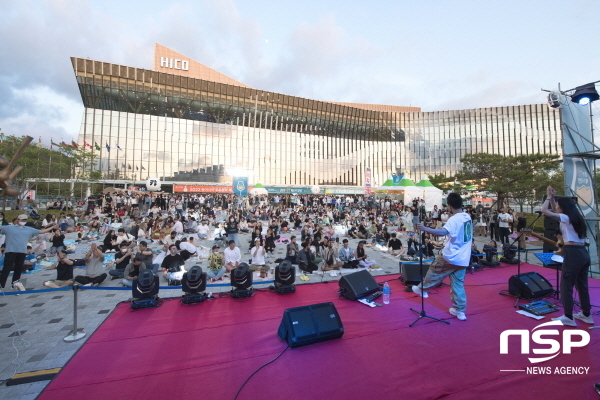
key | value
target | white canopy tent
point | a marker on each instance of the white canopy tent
(432, 195)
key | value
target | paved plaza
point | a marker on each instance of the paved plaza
(46, 318)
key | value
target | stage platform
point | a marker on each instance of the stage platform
(208, 351)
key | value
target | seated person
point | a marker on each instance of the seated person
(292, 251)
(58, 241)
(110, 242)
(306, 259)
(30, 262)
(258, 263)
(132, 271)
(216, 269)
(395, 246)
(188, 248)
(346, 254)
(126, 238)
(170, 239)
(94, 272)
(361, 255)
(121, 261)
(146, 255)
(173, 265)
(232, 256)
(330, 260)
(64, 272)
(202, 230)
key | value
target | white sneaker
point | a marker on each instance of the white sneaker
(581, 317)
(420, 292)
(18, 286)
(565, 321)
(458, 314)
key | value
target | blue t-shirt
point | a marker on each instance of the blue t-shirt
(17, 237)
(30, 257)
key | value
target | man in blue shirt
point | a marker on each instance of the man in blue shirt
(17, 237)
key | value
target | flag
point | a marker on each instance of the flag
(123, 166)
(119, 148)
(96, 145)
(74, 144)
(86, 144)
(40, 142)
(64, 144)
(143, 167)
(107, 147)
(136, 168)
(129, 165)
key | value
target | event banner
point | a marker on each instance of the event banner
(201, 189)
(368, 187)
(579, 171)
(240, 186)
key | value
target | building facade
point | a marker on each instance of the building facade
(185, 122)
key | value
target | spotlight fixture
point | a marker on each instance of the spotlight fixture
(554, 100)
(285, 276)
(585, 94)
(144, 290)
(193, 284)
(241, 281)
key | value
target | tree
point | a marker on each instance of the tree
(441, 181)
(509, 176)
(64, 163)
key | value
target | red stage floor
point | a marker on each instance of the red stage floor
(207, 351)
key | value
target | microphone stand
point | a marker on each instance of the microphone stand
(422, 314)
(528, 228)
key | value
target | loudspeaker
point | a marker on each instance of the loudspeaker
(411, 274)
(529, 285)
(310, 324)
(358, 285)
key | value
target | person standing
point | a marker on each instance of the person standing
(576, 263)
(17, 237)
(454, 258)
(504, 222)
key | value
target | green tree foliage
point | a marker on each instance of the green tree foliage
(441, 181)
(510, 176)
(39, 163)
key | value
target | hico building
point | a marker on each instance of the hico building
(185, 122)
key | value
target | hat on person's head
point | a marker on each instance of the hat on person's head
(215, 247)
(23, 216)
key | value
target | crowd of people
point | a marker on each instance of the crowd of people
(163, 232)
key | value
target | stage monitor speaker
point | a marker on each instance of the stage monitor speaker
(310, 324)
(358, 285)
(529, 285)
(411, 274)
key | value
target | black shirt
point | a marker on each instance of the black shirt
(123, 262)
(395, 244)
(64, 272)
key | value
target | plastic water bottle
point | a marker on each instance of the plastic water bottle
(386, 293)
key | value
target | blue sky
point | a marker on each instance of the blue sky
(435, 54)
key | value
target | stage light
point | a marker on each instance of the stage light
(193, 284)
(554, 100)
(510, 254)
(585, 94)
(144, 290)
(285, 276)
(241, 281)
(490, 254)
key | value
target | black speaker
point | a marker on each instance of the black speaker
(358, 285)
(529, 285)
(550, 234)
(310, 324)
(411, 274)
